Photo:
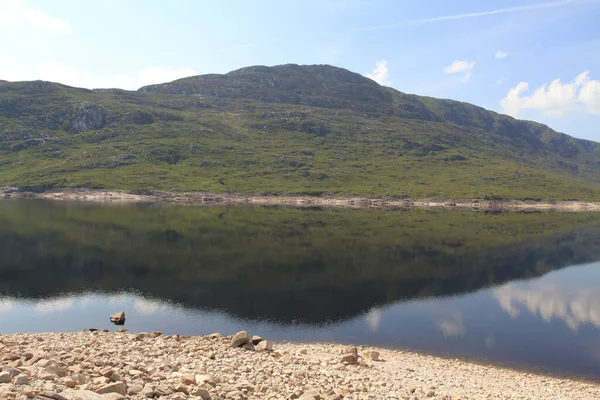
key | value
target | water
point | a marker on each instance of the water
(512, 289)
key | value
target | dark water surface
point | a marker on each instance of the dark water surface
(516, 289)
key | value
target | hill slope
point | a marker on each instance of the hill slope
(284, 129)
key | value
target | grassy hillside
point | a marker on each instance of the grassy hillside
(282, 130)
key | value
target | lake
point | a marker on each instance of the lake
(514, 289)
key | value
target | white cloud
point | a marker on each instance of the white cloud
(68, 75)
(556, 99)
(453, 326)
(17, 14)
(423, 21)
(53, 305)
(373, 319)
(575, 306)
(500, 82)
(464, 67)
(6, 304)
(501, 54)
(380, 73)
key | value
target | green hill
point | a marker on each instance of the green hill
(287, 129)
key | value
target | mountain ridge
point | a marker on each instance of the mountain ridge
(287, 129)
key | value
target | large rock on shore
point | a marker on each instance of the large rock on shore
(240, 339)
(118, 318)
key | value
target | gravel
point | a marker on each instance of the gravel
(116, 366)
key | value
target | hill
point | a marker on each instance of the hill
(286, 129)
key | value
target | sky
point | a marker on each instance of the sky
(532, 59)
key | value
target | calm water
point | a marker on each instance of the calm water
(515, 289)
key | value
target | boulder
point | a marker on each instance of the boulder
(112, 396)
(202, 393)
(265, 345)
(51, 395)
(85, 395)
(256, 340)
(118, 318)
(240, 339)
(349, 358)
(372, 355)
(117, 387)
(5, 377)
(22, 380)
(249, 346)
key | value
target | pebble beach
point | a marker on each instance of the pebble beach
(121, 365)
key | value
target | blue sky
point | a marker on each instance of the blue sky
(537, 60)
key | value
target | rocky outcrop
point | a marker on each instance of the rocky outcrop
(78, 117)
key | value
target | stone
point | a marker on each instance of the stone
(256, 340)
(85, 395)
(249, 346)
(46, 376)
(351, 350)
(80, 378)
(162, 390)
(59, 370)
(202, 393)
(188, 379)
(372, 355)
(311, 394)
(10, 357)
(70, 383)
(349, 358)
(215, 335)
(117, 387)
(265, 345)
(122, 330)
(5, 377)
(156, 334)
(107, 372)
(51, 395)
(93, 329)
(240, 339)
(142, 335)
(200, 379)
(22, 380)
(113, 396)
(118, 318)
(134, 389)
(182, 389)
(148, 391)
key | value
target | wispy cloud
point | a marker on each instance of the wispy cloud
(380, 73)
(72, 76)
(501, 54)
(17, 14)
(423, 21)
(464, 67)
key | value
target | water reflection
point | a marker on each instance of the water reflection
(574, 304)
(491, 286)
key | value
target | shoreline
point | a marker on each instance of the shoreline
(352, 202)
(115, 366)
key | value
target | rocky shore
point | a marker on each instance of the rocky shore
(203, 198)
(120, 365)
